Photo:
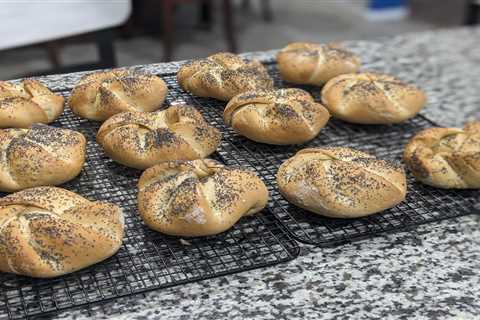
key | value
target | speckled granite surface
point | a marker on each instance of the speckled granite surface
(430, 273)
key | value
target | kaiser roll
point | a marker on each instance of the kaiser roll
(26, 103)
(369, 98)
(198, 198)
(47, 232)
(222, 76)
(311, 63)
(100, 95)
(446, 157)
(341, 182)
(284, 116)
(140, 140)
(41, 155)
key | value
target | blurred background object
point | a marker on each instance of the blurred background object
(35, 28)
(384, 10)
(472, 15)
(39, 37)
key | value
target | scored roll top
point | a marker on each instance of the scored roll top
(315, 64)
(370, 98)
(140, 140)
(284, 116)
(341, 182)
(222, 76)
(446, 157)
(47, 232)
(100, 95)
(40, 155)
(198, 198)
(26, 103)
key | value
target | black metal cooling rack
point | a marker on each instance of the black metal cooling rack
(423, 204)
(147, 260)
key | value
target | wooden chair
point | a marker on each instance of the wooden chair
(104, 42)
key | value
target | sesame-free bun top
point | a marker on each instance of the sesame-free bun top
(312, 63)
(48, 232)
(198, 198)
(370, 98)
(26, 103)
(100, 95)
(141, 140)
(446, 157)
(222, 76)
(341, 182)
(284, 116)
(40, 155)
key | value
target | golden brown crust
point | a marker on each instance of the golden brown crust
(369, 98)
(341, 182)
(446, 157)
(100, 95)
(26, 103)
(311, 63)
(222, 76)
(47, 232)
(41, 155)
(141, 140)
(198, 198)
(284, 116)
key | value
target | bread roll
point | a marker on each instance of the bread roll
(341, 182)
(446, 157)
(41, 155)
(140, 140)
(369, 98)
(222, 76)
(311, 63)
(284, 116)
(26, 103)
(100, 95)
(47, 232)
(198, 198)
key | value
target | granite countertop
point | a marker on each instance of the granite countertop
(431, 272)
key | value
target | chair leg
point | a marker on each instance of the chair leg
(472, 13)
(205, 14)
(104, 41)
(167, 29)
(106, 49)
(53, 51)
(228, 20)
(267, 12)
(127, 30)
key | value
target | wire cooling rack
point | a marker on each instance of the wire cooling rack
(147, 260)
(423, 203)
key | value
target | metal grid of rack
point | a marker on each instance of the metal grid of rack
(147, 260)
(423, 203)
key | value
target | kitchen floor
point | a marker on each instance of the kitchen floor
(304, 20)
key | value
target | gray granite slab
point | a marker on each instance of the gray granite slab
(429, 273)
